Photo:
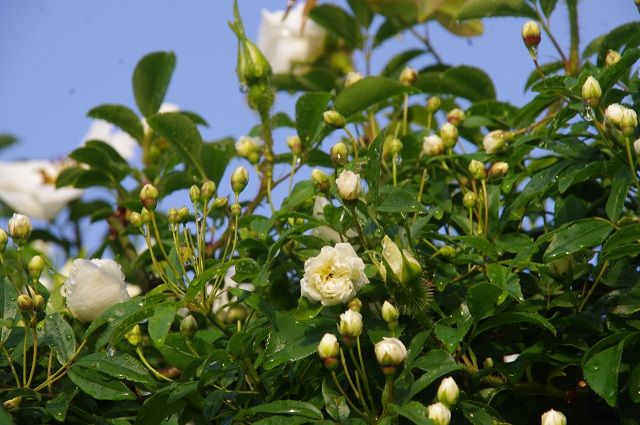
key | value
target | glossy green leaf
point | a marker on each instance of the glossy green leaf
(435, 364)
(577, 236)
(617, 196)
(151, 79)
(481, 299)
(160, 323)
(367, 93)
(374, 166)
(334, 402)
(8, 307)
(501, 319)
(601, 372)
(463, 81)
(415, 412)
(95, 384)
(400, 200)
(289, 407)
(623, 242)
(338, 22)
(309, 109)
(626, 35)
(396, 64)
(58, 335)
(120, 116)
(118, 365)
(156, 409)
(183, 136)
(493, 8)
(215, 158)
(57, 407)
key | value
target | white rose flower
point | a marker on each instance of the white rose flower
(390, 352)
(92, 287)
(439, 413)
(334, 276)
(294, 39)
(106, 132)
(28, 187)
(553, 417)
(224, 297)
(349, 185)
(432, 145)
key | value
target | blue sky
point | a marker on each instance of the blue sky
(61, 58)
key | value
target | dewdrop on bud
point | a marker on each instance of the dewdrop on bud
(188, 326)
(448, 392)
(495, 140)
(553, 417)
(531, 34)
(145, 216)
(355, 304)
(390, 313)
(433, 104)
(499, 169)
(469, 200)
(4, 238)
(172, 215)
(350, 324)
(236, 209)
(25, 303)
(449, 135)
(439, 413)
(476, 168)
(135, 219)
(408, 76)
(19, 228)
(455, 116)
(612, 58)
(134, 336)
(239, 179)
(294, 144)
(208, 189)
(194, 194)
(339, 154)
(35, 267)
(613, 114)
(629, 121)
(395, 146)
(352, 78)
(591, 92)
(149, 196)
(220, 203)
(334, 119)
(320, 181)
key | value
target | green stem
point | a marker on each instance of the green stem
(346, 397)
(632, 165)
(574, 53)
(34, 357)
(388, 390)
(354, 145)
(63, 369)
(585, 299)
(405, 114)
(11, 365)
(486, 207)
(151, 368)
(357, 393)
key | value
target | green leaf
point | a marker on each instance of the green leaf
(215, 157)
(8, 307)
(601, 372)
(338, 22)
(493, 8)
(617, 196)
(415, 411)
(306, 309)
(624, 242)
(435, 364)
(501, 319)
(92, 382)
(634, 384)
(503, 279)
(626, 35)
(58, 335)
(58, 406)
(156, 409)
(7, 140)
(183, 135)
(118, 365)
(576, 236)
(463, 81)
(366, 93)
(548, 6)
(374, 166)
(151, 79)
(160, 323)
(309, 109)
(482, 299)
(395, 65)
(289, 407)
(120, 116)
(400, 200)
(334, 402)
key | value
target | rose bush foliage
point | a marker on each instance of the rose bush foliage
(453, 258)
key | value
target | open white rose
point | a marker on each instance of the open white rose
(349, 185)
(93, 286)
(106, 132)
(28, 187)
(289, 41)
(334, 276)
